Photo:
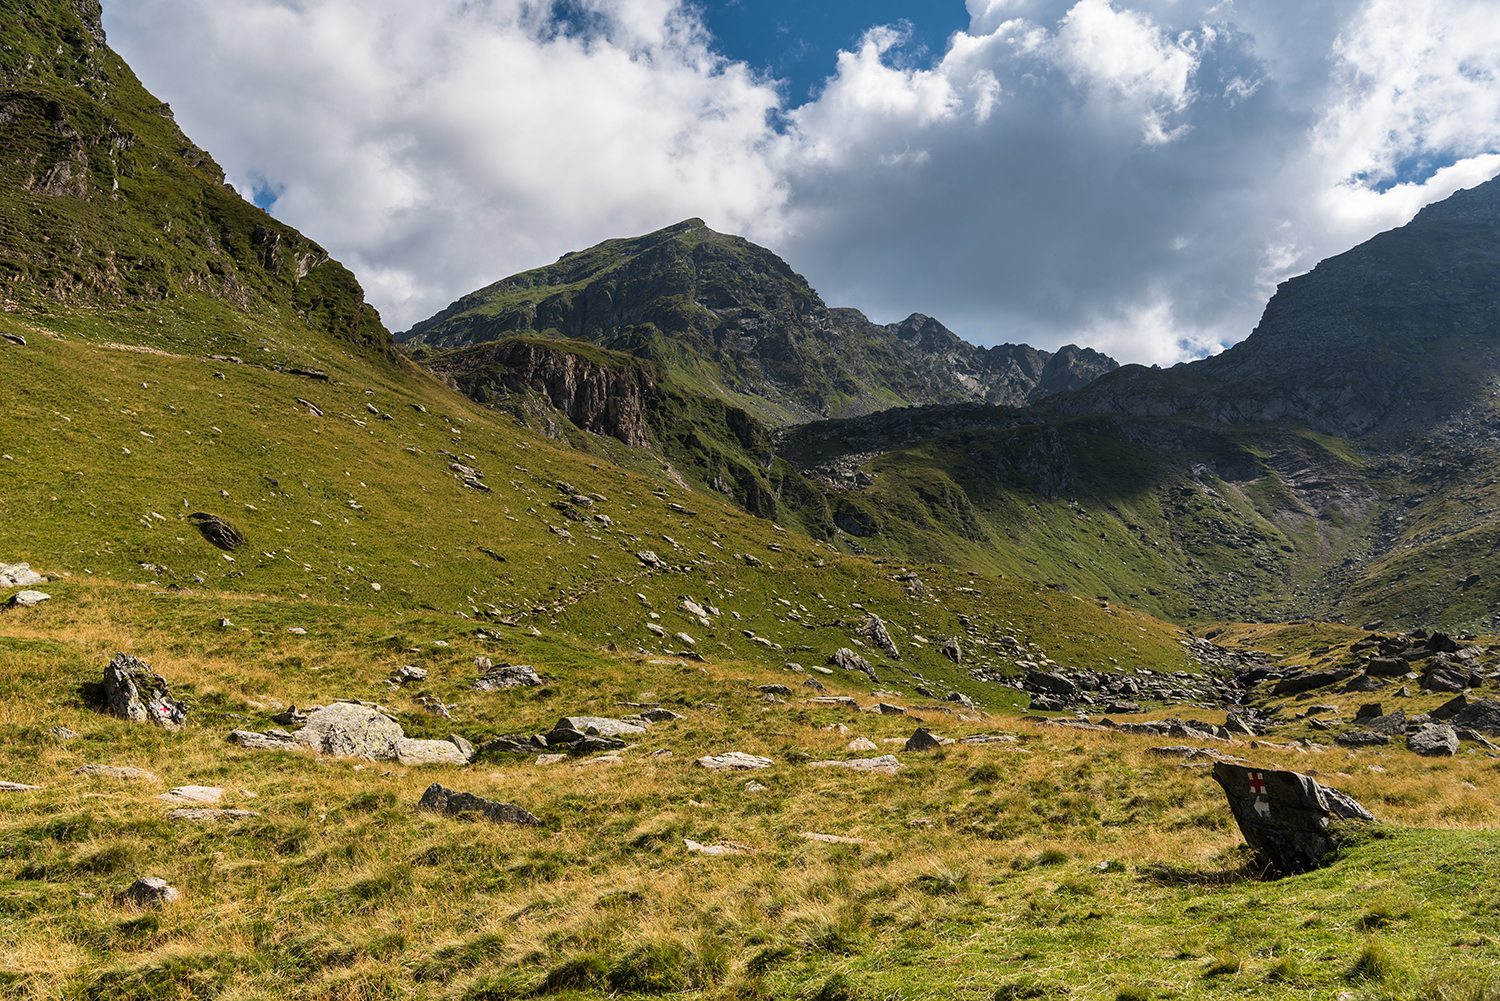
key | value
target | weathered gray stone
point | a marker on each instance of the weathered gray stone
(17, 787)
(192, 794)
(781, 690)
(351, 730)
(1051, 682)
(1444, 677)
(19, 575)
(861, 744)
(205, 813)
(833, 701)
(464, 745)
(960, 698)
(599, 725)
(408, 672)
(507, 676)
(124, 773)
(1434, 740)
(63, 733)
(1451, 708)
(657, 714)
(1366, 683)
(1483, 716)
(875, 631)
(411, 752)
(851, 661)
(442, 800)
(1392, 724)
(886, 764)
(28, 598)
(1361, 738)
(1387, 667)
(149, 891)
(951, 650)
(922, 740)
(271, 740)
(134, 691)
(1310, 680)
(1285, 816)
(732, 761)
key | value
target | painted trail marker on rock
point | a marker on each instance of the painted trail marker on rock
(1286, 817)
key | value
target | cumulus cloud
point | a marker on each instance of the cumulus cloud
(436, 147)
(1134, 174)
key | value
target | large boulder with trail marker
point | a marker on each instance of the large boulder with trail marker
(133, 690)
(1287, 818)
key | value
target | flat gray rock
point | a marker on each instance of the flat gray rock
(124, 773)
(29, 598)
(886, 764)
(1482, 716)
(732, 761)
(204, 813)
(17, 787)
(351, 730)
(835, 701)
(599, 725)
(192, 794)
(440, 799)
(271, 740)
(410, 752)
(1361, 738)
(851, 661)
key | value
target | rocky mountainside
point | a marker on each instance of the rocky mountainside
(733, 320)
(1396, 336)
(107, 206)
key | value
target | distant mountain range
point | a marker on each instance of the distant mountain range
(733, 320)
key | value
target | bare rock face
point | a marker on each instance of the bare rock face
(506, 676)
(851, 661)
(1286, 817)
(440, 799)
(133, 690)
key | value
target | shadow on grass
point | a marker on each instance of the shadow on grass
(1247, 871)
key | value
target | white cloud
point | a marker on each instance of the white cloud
(436, 147)
(1139, 173)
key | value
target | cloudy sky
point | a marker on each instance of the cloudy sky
(1135, 175)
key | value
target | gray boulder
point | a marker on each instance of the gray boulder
(1050, 682)
(443, 800)
(601, 726)
(1392, 724)
(408, 672)
(951, 650)
(1482, 717)
(1362, 738)
(1387, 667)
(886, 764)
(875, 631)
(1310, 680)
(149, 891)
(922, 740)
(28, 598)
(1285, 817)
(209, 813)
(19, 575)
(851, 661)
(271, 740)
(134, 691)
(1445, 677)
(351, 730)
(507, 676)
(411, 752)
(123, 773)
(732, 761)
(1434, 740)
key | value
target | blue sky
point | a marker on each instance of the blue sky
(1132, 175)
(797, 43)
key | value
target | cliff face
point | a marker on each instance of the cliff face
(1398, 334)
(727, 315)
(603, 398)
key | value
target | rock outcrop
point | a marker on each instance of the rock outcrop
(133, 690)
